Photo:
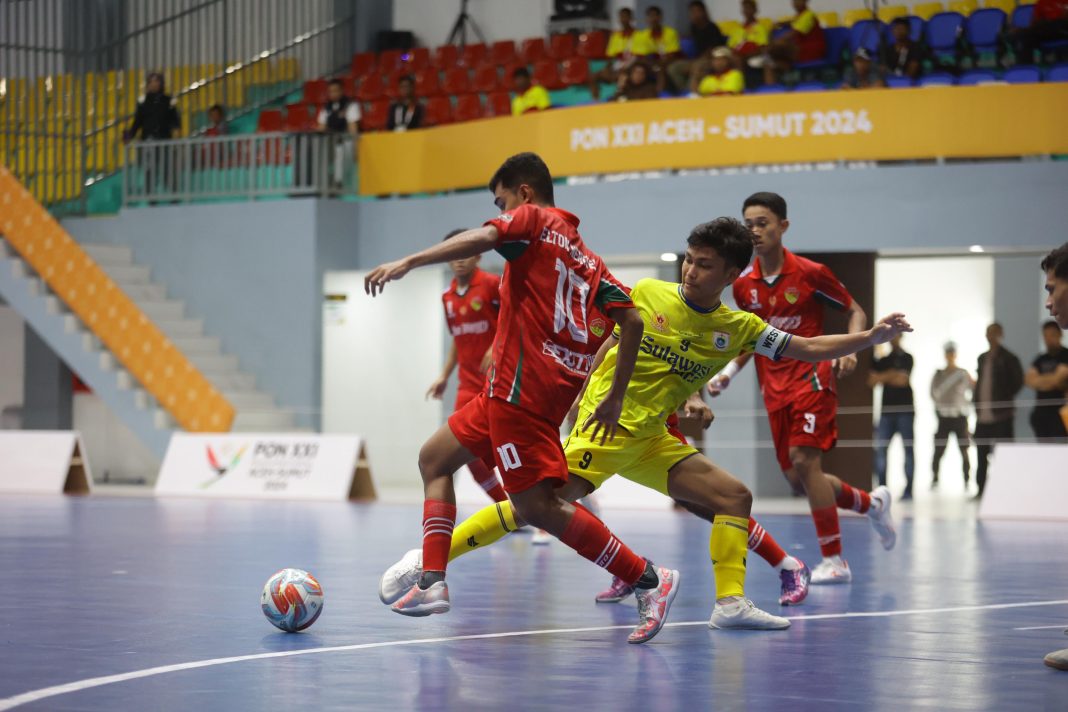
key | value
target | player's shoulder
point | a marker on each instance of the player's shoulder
(811, 267)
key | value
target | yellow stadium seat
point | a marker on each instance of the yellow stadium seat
(926, 10)
(964, 7)
(1006, 6)
(829, 19)
(892, 12)
(852, 17)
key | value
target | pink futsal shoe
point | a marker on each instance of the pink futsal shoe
(424, 601)
(618, 591)
(653, 605)
(794, 585)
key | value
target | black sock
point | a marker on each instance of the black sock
(429, 578)
(649, 579)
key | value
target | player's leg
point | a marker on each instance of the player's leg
(806, 462)
(482, 470)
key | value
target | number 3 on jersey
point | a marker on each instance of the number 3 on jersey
(810, 423)
(570, 288)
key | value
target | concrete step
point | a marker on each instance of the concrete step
(168, 310)
(232, 380)
(113, 255)
(217, 363)
(125, 275)
(249, 421)
(249, 400)
(145, 292)
(190, 345)
(179, 328)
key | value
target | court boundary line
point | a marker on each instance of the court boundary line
(43, 693)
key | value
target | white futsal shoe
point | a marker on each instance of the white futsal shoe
(741, 614)
(400, 577)
(831, 570)
(541, 538)
(881, 520)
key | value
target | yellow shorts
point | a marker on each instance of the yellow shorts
(645, 460)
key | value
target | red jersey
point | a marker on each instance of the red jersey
(471, 315)
(1046, 10)
(547, 332)
(792, 302)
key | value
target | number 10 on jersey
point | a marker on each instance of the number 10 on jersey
(571, 293)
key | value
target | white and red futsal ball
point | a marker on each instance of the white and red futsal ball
(292, 599)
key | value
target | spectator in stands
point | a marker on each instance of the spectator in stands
(340, 116)
(665, 43)
(903, 57)
(949, 391)
(751, 39)
(624, 46)
(863, 74)
(216, 121)
(528, 96)
(684, 74)
(637, 84)
(802, 42)
(893, 372)
(724, 77)
(407, 112)
(155, 119)
(1000, 379)
(1049, 23)
(1048, 375)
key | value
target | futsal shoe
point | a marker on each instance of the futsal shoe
(1058, 659)
(653, 605)
(741, 614)
(794, 585)
(879, 516)
(831, 570)
(424, 601)
(400, 577)
(541, 538)
(618, 591)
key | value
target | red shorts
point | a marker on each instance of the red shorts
(525, 447)
(463, 398)
(809, 421)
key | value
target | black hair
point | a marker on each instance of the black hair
(626, 10)
(654, 8)
(334, 81)
(217, 107)
(521, 72)
(700, 4)
(525, 169)
(454, 233)
(772, 201)
(1051, 325)
(1057, 262)
(900, 21)
(728, 237)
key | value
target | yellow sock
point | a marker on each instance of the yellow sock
(482, 528)
(727, 546)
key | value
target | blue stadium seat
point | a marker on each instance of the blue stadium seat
(688, 47)
(1023, 75)
(1058, 73)
(977, 76)
(915, 30)
(770, 89)
(811, 86)
(938, 79)
(1021, 16)
(943, 32)
(896, 82)
(984, 27)
(867, 34)
(836, 39)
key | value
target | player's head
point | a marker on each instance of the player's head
(951, 353)
(1055, 265)
(901, 29)
(462, 269)
(335, 90)
(994, 334)
(522, 178)
(521, 80)
(1051, 335)
(765, 216)
(716, 253)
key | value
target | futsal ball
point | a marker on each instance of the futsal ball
(292, 599)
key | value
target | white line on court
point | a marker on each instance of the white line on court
(1045, 627)
(8, 703)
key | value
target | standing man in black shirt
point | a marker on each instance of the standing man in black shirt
(1000, 379)
(155, 119)
(407, 112)
(685, 73)
(1048, 375)
(892, 372)
(340, 116)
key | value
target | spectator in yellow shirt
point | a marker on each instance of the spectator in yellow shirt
(803, 42)
(665, 43)
(724, 78)
(624, 46)
(752, 37)
(528, 96)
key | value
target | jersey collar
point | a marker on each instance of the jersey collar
(691, 305)
(569, 218)
(454, 286)
(789, 264)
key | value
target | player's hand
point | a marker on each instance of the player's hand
(845, 365)
(887, 328)
(376, 279)
(487, 361)
(605, 419)
(437, 389)
(698, 410)
(718, 384)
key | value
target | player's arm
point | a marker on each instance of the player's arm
(858, 322)
(606, 414)
(830, 346)
(696, 408)
(598, 359)
(721, 380)
(466, 244)
(437, 388)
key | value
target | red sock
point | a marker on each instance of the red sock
(487, 480)
(764, 544)
(438, 520)
(827, 531)
(590, 538)
(852, 498)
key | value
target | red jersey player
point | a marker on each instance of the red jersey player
(471, 304)
(790, 293)
(541, 357)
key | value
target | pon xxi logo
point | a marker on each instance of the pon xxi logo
(223, 460)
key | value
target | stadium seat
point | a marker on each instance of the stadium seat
(270, 121)
(977, 76)
(438, 110)
(867, 34)
(427, 82)
(892, 12)
(505, 83)
(315, 91)
(349, 85)
(836, 39)
(532, 50)
(983, 29)
(1021, 16)
(547, 74)
(964, 7)
(445, 57)
(472, 55)
(375, 116)
(915, 30)
(393, 82)
(810, 86)
(688, 47)
(592, 45)
(562, 46)
(1006, 6)
(486, 79)
(499, 104)
(927, 10)
(389, 61)
(938, 79)
(827, 19)
(363, 63)
(456, 81)
(1058, 73)
(502, 52)
(895, 82)
(416, 59)
(1023, 75)
(852, 17)
(300, 117)
(371, 88)
(575, 71)
(468, 108)
(943, 32)
(770, 89)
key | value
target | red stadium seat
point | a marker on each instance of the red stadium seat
(438, 110)
(592, 45)
(393, 83)
(575, 71)
(375, 116)
(446, 57)
(502, 52)
(499, 104)
(389, 61)
(468, 108)
(363, 63)
(532, 50)
(506, 77)
(315, 91)
(371, 88)
(427, 82)
(473, 55)
(270, 121)
(349, 85)
(547, 75)
(416, 59)
(562, 46)
(300, 117)
(456, 81)
(486, 79)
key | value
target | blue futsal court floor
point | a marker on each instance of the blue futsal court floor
(111, 603)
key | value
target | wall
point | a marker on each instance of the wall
(11, 360)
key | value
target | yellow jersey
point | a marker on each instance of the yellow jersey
(667, 43)
(533, 99)
(682, 348)
(730, 82)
